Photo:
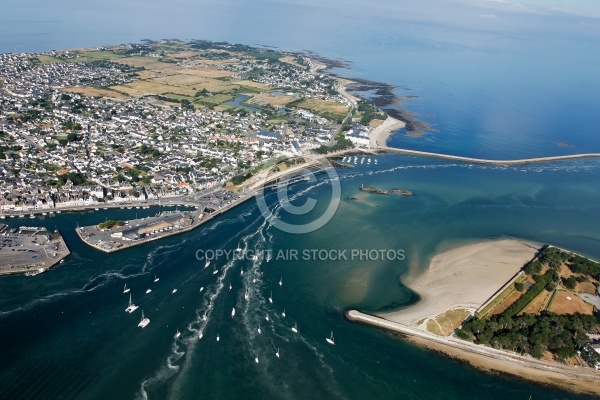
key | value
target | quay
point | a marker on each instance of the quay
(30, 250)
(140, 231)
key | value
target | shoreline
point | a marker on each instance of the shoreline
(197, 224)
(466, 278)
(64, 254)
(580, 380)
(379, 135)
(462, 278)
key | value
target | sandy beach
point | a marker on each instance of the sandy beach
(464, 277)
(380, 134)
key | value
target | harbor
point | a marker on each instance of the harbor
(30, 250)
(120, 235)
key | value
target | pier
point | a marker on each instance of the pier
(483, 160)
(30, 250)
(140, 231)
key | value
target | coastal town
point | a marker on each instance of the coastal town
(143, 123)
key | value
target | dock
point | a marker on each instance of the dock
(136, 232)
(30, 250)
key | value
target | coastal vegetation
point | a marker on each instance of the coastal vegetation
(341, 143)
(544, 315)
(111, 223)
(561, 335)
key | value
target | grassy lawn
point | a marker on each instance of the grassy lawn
(95, 92)
(144, 87)
(323, 106)
(567, 302)
(444, 324)
(49, 59)
(535, 306)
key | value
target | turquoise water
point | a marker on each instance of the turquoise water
(70, 335)
(490, 82)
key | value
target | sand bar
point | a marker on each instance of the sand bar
(464, 277)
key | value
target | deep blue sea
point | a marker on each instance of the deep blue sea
(492, 80)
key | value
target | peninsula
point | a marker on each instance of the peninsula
(488, 303)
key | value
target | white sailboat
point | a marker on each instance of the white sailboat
(200, 335)
(148, 291)
(131, 307)
(271, 298)
(242, 271)
(218, 337)
(126, 289)
(253, 280)
(277, 352)
(259, 331)
(215, 271)
(256, 359)
(201, 289)
(230, 287)
(283, 313)
(232, 312)
(144, 322)
(330, 339)
(174, 291)
(295, 328)
(177, 334)
(206, 264)
(267, 317)
(281, 281)
(246, 295)
(156, 279)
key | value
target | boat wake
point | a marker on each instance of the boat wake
(253, 312)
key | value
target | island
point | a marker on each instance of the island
(403, 192)
(507, 306)
(371, 189)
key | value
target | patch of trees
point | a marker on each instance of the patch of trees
(186, 104)
(72, 125)
(553, 257)
(562, 335)
(341, 143)
(541, 283)
(294, 103)
(110, 224)
(73, 137)
(369, 112)
(584, 266)
(146, 150)
(534, 267)
(113, 65)
(76, 177)
(238, 179)
(167, 99)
